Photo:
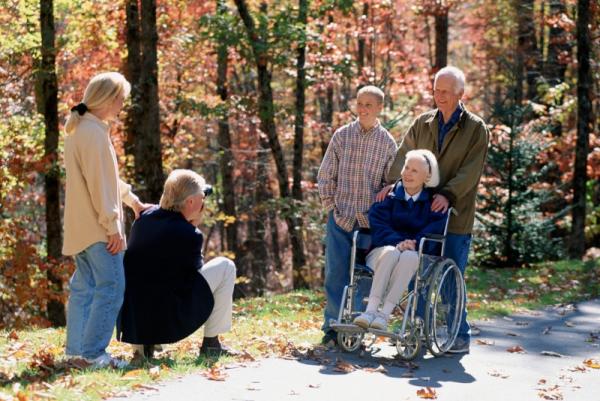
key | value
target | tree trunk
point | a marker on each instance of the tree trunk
(558, 46)
(441, 39)
(49, 107)
(226, 160)
(266, 110)
(584, 121)
(297, 240)
(148, 158)
(133, 72)
(143, 123)
(360, 57)
(528, 55)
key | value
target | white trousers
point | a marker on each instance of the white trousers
(393, 271)
(220, 275)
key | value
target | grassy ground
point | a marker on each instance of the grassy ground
(32, 367)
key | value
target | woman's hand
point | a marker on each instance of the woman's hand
(407, 245)
(138, 207)
(115, 243)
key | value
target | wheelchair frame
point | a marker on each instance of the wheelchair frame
(413, 330)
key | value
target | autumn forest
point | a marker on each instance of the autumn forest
(248, 93)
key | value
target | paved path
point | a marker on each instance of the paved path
(489, 372)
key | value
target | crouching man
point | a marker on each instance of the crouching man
(170, 292)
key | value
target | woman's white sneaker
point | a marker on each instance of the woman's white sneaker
(364, 319)
(105, 361)
(380, 322)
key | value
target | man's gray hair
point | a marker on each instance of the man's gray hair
(454, 72)
(180, 185)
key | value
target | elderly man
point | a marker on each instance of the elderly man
(169, 291)
(459, 139)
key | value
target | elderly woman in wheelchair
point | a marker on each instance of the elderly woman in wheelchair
(406, 237)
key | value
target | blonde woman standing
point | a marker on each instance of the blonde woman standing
(93, 220)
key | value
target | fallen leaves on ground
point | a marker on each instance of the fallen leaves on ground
(343, 366)
(550, 393)
(215, 373)
(496, 373)
(133, 374)
(592, 363)
(378, 369)
(154, 372)
(485, 342)
(427, 393)
(516, 349)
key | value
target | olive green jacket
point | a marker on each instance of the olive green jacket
(461, 161)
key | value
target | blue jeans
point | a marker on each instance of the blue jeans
(338, 246)
(97, 289)
(457, 248)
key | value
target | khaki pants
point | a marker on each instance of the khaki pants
(393, 271)
(220, 275)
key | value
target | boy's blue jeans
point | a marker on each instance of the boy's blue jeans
(97, 289)
(338, 246)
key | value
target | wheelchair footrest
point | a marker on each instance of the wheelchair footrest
(347, 328)
(381, 333)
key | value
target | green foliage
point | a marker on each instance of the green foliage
(512, 229)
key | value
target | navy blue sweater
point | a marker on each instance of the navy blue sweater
(393, 220)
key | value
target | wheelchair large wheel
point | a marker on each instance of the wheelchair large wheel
(408, 347)
(444, 306)
(349, 342)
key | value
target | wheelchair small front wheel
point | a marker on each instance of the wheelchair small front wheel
(408, 347)
(350, 342)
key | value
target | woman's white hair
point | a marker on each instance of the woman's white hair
(456, 74)
(102, 90)
(429, 161)
(180, 185)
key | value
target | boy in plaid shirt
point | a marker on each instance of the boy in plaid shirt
(353, 171)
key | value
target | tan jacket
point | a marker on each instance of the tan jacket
(94, 193)
(461, 161)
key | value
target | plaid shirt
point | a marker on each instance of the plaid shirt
(353, 171)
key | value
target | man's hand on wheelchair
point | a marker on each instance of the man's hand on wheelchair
(407, 245)
(383, 193)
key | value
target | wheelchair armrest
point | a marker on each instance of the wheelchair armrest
(435, 237)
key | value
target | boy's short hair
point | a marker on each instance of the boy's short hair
(373, 91)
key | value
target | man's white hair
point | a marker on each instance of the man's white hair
(456, 74)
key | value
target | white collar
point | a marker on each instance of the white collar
(414, 197)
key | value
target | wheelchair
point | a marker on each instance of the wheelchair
(431, 309)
